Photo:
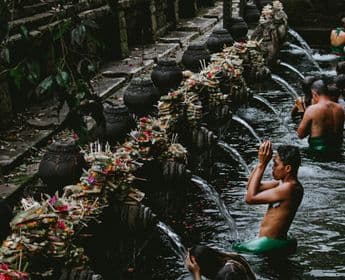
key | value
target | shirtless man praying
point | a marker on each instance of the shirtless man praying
(283, 196)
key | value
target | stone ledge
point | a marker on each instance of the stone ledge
(198, 24)
(181, 37)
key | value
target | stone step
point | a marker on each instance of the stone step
(34, 20)
(30, 10)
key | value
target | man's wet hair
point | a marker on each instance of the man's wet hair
(333, 92)
(306, 87)
(340, 82)
(290, 155)
(340, 69)
(320, 87)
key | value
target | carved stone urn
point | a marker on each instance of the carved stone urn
(61, 165)
(195, 56)
(219, 38)
(166, 76)
(140, 96)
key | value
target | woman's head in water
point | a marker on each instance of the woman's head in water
(306, 87)
(212, 262)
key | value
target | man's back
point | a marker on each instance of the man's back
(327, 120)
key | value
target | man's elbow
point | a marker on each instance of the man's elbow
(249, 199)
(300, 134)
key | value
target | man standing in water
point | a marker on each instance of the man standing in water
(283, 196)
(323, 122)
(338, 40)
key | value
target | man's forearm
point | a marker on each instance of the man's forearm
(254, 182)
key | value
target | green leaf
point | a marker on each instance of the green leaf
(80, 95)
(78, 35)
(24, 32)
(60, 30)
(62, 78)
(34, 71)
(5, 55)
(45, 85)
(17, 75)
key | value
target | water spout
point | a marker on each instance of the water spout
(308, 54)
(299, 38)
(293, 69)
(234, 154)
(265, 102)
(285, 85)
(213, 194)
(245, 124)
(174, 240)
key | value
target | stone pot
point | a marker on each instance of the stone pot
(137, 217)
(238, 28)
(118, 123)
(166, 76)
(219, 38)
(140, 96)
(251, 14)
(202, 138)
(175, 173)
(61, 165)
(193, 55)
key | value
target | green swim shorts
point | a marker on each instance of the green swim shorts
(265, 245)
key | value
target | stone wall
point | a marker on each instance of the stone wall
(123, 24)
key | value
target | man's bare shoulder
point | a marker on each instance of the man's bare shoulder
(312, 109)
(291, 186)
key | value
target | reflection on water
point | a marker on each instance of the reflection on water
(319, 225)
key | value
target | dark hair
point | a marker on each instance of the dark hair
(333, 92)
(211, 262)
(236, 268)
(306, 87)
(290, 155)
(340, 81)
(320, 87)
(342, 20)
(340, 67)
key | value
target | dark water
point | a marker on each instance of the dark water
(319, 225)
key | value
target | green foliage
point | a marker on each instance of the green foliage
(73, 65)
(78, 35)
(45, 85)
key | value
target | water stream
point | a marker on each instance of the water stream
(301, 41)
(293, 69)
(308, 55)
(247, 125)
(280, 81)
(174, 240)
(214, 195)
(265, 102)
(234, 154)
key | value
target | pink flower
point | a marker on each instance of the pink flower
(91, 179)
(61, 225)
(4, 266)
(53, 200)
(62, 208)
